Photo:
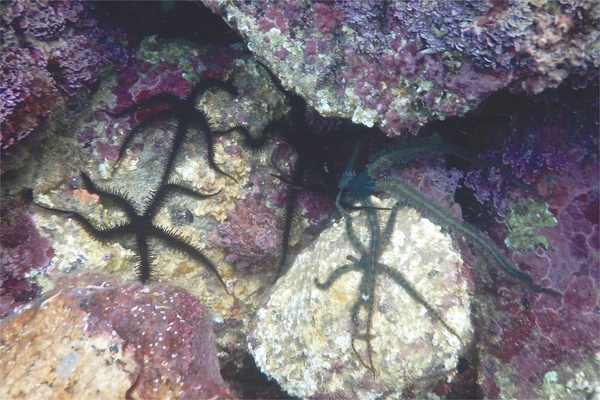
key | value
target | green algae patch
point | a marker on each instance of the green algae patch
(525, 220)
(175, 51)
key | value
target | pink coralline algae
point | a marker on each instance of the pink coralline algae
(251, 234)
(399, 64)
(141, 79)
(158, 68)
(51, 50)
(22, 251)
(168, 330)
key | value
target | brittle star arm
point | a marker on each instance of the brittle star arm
(102, 233)
(401, 280)
(142, 125)
(120, 199)
(356, 243)
(366, 299)
(210, 153)
(410, 196)
(158, 197)
(362, 300)
(336, 274)
(178, 242)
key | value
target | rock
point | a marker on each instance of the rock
(96, 336)
(302, 336)
(399, 64)
(46, 353)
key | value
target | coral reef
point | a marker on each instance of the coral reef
(140, 225)
(556, 333)
(303, 334)
(554, 234)
(94, 147)
(51, 50)
(23, 251)
(399, 64)
(340, 323)
(108, 337)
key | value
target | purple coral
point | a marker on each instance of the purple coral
(527, 157)
(536, 333)
(22, 251)
(251, 233)
(40, 18)
(531, 151)
(26, 95)
(77, 62)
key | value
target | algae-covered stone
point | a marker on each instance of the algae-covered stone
(303, 335)
(525, 220)
(95, 336)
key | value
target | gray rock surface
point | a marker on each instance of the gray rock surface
(302, 336)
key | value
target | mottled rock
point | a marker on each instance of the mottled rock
(46, 353)
(399, 64)
(139, 173)
(302, 336)
(94, 336)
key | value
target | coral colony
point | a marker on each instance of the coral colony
(526, 179)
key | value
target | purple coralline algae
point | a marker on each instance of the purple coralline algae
(538, 345)
(157, 338)
(51, 50)
(395, 64)
(23, 250)
(27, 92)
(399, 64)
(526, 338)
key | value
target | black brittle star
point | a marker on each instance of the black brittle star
(140, 225)
(166, 106)
(370, 267)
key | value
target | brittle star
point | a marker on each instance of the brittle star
(140, 225)
(370, 267)
(185, 112)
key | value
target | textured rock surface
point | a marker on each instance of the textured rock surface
(94, 335)
(532, 344)
(303, 334)
(46, 353)
(401, 63)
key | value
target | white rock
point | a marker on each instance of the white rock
(307, 348)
